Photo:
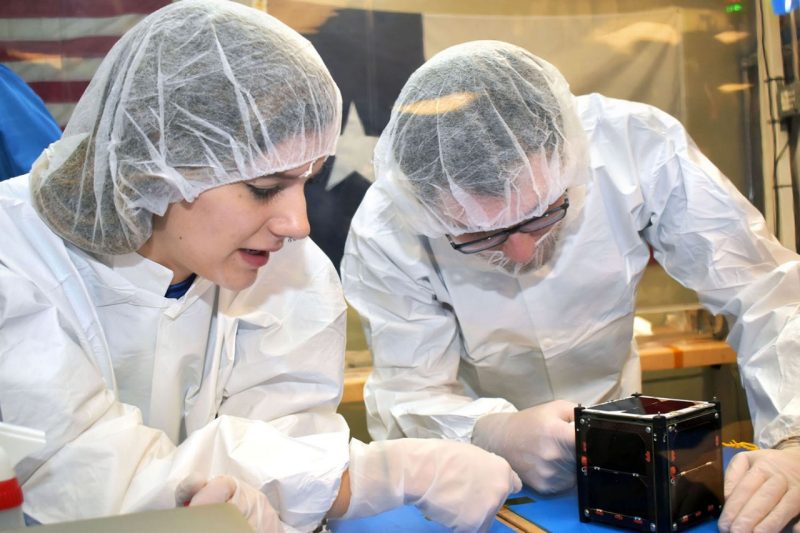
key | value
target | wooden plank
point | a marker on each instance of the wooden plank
(685, 354)
(354, 379)
(516, 522)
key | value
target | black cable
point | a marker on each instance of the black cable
(778, 157)
(775, 157)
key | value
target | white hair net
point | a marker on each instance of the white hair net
(482, 136)
(199, 94)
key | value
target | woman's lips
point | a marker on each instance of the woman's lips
(255, 258)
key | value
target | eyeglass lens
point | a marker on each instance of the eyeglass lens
(543, 222)
(533, 226)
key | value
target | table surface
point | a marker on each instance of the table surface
(550, 513)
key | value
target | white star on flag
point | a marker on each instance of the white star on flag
(353, 152)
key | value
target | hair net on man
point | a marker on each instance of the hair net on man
(483, 136)
(199, 94)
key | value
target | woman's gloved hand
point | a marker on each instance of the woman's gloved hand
(762, 491)
(539, 442)
(455, 484)
(251, 502)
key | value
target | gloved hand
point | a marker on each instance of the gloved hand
(539, 442)
(455, 484)
(762, 491)
(251, 502)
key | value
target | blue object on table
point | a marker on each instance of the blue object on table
(783, 7)
(26, 126)
(552, 513)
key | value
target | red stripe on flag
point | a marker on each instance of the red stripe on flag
(59, 91)
(76, 8)
(80, 47)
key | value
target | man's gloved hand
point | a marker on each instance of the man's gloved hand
(539, 442)
(251, 502)
(455, 484)
(762, 491)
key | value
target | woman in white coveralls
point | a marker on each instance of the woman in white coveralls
(157, 320)
(496, 259)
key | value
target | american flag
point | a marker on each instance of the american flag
(56, 45)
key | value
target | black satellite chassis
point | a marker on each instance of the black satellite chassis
(649, 464)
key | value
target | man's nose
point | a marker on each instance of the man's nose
(520, 247)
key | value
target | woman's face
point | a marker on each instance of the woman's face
(229, 231)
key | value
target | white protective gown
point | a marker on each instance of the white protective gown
(135, 390)
(453, 339)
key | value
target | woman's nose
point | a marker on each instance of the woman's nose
(292, 220)
(520, 247)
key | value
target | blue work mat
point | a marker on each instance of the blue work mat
(551, 513)
(555, 514)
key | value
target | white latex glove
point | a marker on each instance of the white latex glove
(251, 502)
(762, 491)
(539, 442)
(453, 483)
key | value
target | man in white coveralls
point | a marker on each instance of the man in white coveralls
(495, 262)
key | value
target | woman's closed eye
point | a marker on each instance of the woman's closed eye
(266, 189)
(264, 193)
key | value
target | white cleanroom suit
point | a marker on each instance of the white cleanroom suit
(496, 259)
(453, 338)
(136, 391)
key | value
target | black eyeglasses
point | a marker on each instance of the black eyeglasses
(532, 225)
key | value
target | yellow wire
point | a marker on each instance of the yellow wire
(739, 444)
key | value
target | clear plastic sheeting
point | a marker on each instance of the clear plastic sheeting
(483, 136)
(201, 94)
